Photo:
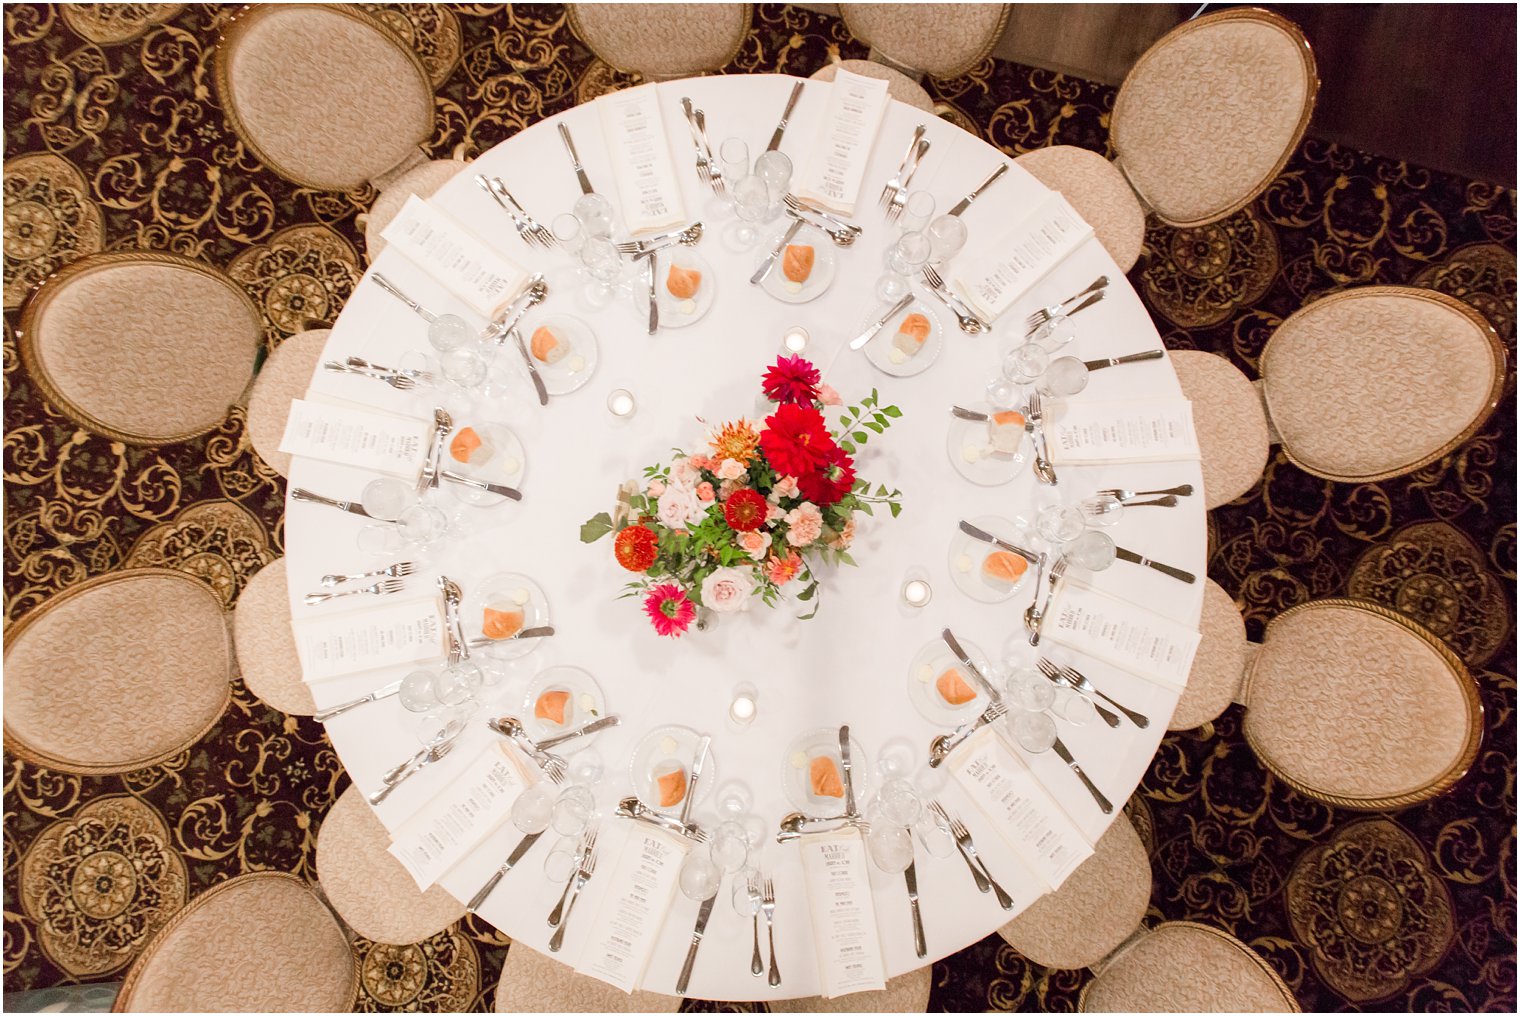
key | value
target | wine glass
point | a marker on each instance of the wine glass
(934, 834)
(1059, 523)
(896, 759)
(422, 525)
(730, 846)
(457, 683)
(700, 877)
(916, 212)
(586, 767)
(534, 807)
(751, 199)
(1029, 690)
(595, 214)
(416, 694)
(572, 810)
(1055, 333)
(775, 169)
(600, 259)
(746, 904)
(448, 332)
(1075, 707)
(898, 802)
(733, 153)
(1026, 364)
(568, 232)
(890, 846)
(907, 255)
(562, 860)
(947, 235)
(1103, 510)
(386, 497)
(1034, 732)
(1065, 376)
(1092, 550)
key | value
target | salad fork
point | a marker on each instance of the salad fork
(399, 570)
(900, 197)
(400, 382)
(1056, 571)
(587, 840)
(378, 589)
(1088, 302)
(1034, 423)
(1057, 309)
(1081, 682)
(582, 876)
(1055, 676)
(714, 172)
(1097, 507)
(969, 322)
(752, 889)
(532, 232)
(967, 848)
(890, 189)
(433, 754)
(768, 905)
(1120, 494)
(522, 227)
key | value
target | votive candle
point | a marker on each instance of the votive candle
(916, 592)
(796, 339)
(620, 403)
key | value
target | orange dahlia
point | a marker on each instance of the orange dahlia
(737, 440)
(636, 548)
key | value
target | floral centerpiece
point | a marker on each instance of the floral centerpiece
(761, 507)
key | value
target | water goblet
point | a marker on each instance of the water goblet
(699, 876)
(934, 835)
(1055, 333)
(898, 802)
(563, 858)
(890, 846)
(595, 213)
(734, 800)
(1066, 376)
(1029, 690)
(1103, 510)
(1092, 550)
(1002, 393)
(1034, 732)
(1075, 708)
(457, 683)
(586, 767)
(417, 694)
(386, 497)
(776, 170)
(745, 904)
(947, 235)
(1059, 523)
(534, 807)
(1026, 364)
(600, 259)
(448, 332)
(730, 846)
(568, 232)
(422, 525)
(909, 253)
(896, 759)
(465, 368)
(916, 212)
(572, 810)
(751, 200)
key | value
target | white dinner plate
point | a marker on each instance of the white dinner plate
(511, 589)
(928, 664)
(584, 705)
(972, 454)
(796, 763)
(507, 463)
(967, 555)
(664, 750)
(819, 279)
(880, 349)
(674, 313)
(577, 366)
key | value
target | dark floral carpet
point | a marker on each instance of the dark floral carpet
(114, 140)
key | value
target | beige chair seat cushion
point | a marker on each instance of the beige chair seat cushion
(266, 647)
(326, 96)
(1218, 666)
(143, 347)
(1095, 910)
(533, 982)
(1353, 704)
(367, 886)
(1099, 193)
(284, 376)
(262, 942)
(117, 673)
(662, 40)
(1184, 967)
(941, 40)
(1209, 115)
(1232, 426)
(899, 85)
(907, 993)
(423, 180)
(1373, 382)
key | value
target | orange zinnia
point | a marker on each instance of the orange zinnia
(737, 440)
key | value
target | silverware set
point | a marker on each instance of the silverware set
(531, 232)
(436, 749)
(399, 570)
(708, 170)
(427, 476)
(752, 890)
(1120, 494)
(894, 193)
(965, 202)
(768, 907)
(1034, 425)
(967, 849)
(1074, 679)
(559, 918)
(311, 497)
(399, 380)
(552, 766)
(1055, 310)
(453, 625)
(531, 295)
(517, 854)
(1100, 507)
(633, 808)
(941, 745)
(1086, 303)
(844, 234)
(968, 320)
(1179, 574)
(1035, 612)
(686, 236)
(382, 588)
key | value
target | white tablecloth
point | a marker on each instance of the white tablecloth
(848, 665)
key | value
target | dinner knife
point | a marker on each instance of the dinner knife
(910, 876)
(791, 104)
(516, 855)
(601, 723)
(1060, 749)
(968, 414)
(691, 780)
(1149, 354)
(486, 485)
(654, 302)
(965, 202)
(703, 913)
(374, 696)
(770, 259)
(870, 333)
(302, 494)
(538, 381)
(575, 161)
(986, 537)
(960, 654)
(526, 633)
(844, 761)
(1177, 573)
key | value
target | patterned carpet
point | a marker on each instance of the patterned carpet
(114, 140)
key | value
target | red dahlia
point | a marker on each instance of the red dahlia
(792, 380)
(636, 548)
(833, 480)
(795, 440)
(745, 511)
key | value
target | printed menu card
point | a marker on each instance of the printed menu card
(844, 920)
(1122, 633)
(1021, 257)
(638, 895)
(462, 815)
(1137, 430)
(380, 635)
(648, 193)
(379, 442)
(1033, 823)
(462, 262)
(842, 151)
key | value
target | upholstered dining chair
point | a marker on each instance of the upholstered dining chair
(1217, 665)
(142, 347)
(117, 673)
(284, 376)
(266, 647)
(937, 40)
(329, 97)
(1358, 386)
(533, 982)
(1180, 966)
(368, 887)
(906, 993)
(1100, 194)
(261, 942)
(662, 41)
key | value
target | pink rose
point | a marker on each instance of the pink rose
(701, 461)
(727, 590)
(844, 537)
(773, 513)
(705, 492)
(730, 469)
(656, 488)
(726, 488)
(828, 396)
(755, 543)
(683, 473)
(785, 487)
(677, 507)
(804, 524)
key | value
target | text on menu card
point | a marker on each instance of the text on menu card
(1133, 430)
(1022, 256)
(1122, 633)
(647, 189)
(638, 896)
(463, 263)
(381, 442)
(842, 152)
(844, 920)
(378, 636)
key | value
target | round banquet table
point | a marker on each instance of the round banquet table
(848, 664)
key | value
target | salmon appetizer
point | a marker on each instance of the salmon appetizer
(797, 262)
(683, 283)
(551, 706)
(1005, 430)
(502, 622)
(911, 334)
(953, 689)
(548, 347)
(671, 787)
(823, 777)
(469, 447)
(1004, 567)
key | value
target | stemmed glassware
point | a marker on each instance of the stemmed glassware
(751, 202)
(907, 255)
(947, 235)
(599, 257)
(775, 169)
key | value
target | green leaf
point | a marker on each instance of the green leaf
(881, 491)
(860, 436)
(892, 411)
(844, 556)
(895, 508)
(847, 447)
(596, 527)
(865, 506)
(878, 428)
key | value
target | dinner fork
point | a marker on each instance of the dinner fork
(1081, 682)
(1054, 675)
(714, 172)
(768, 905)
(890, 188)
(378, 589)
(399, 570)
(400, 382)
(1098, 507)
(531, 231)
(796, 204)
(969, 322)
(1034, 423)
(433, 754)
(752, 890)
(1056, 571)
(967, 848)
(1120, 494)
(900, 197)
(1087, 302)
(1044, 314)
(582, 876)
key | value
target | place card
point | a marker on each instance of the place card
(1021, 257)
(1134, 430)
(639, 893)
(838, 887)
(461, 816)
(648, 193)
(1022, 811)
(463, 263)
(385, 634)
(375, 442)
(1122, 633)
(842, 151)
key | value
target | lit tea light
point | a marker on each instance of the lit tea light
(620, 403)
(916, 592)
(795, 339)
(741, 710)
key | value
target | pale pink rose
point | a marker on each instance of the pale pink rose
(730, 469)
(726, 488)
(677, 507)
(656, 488)
(705, 492)
(773, 513)
(727, 590)
(701, 461)
(844, 537)
(785, 487)
(828, 396)
(683, 473)
(755, 543)
(804, 524)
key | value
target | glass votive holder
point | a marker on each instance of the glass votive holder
(795, 340)
(916, 592)
(743, 706)
(621, 404)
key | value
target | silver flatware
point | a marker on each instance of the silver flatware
(516, 855)
(575, 161)
(1098, 507)
(1177, 573)
(893, 185)
(359, 363)
(531, 295)
(768, 906)
(1079, 308)
(1103, 804)
(525, 633)
(533, 374)
(486, 485)
(1116, 361)
(981, 534)
(686, 236)
(910, 877)
(982, 885)
(969, 322)
(693, 776)
(859, 341)
(582, 876)
(1054, 676)
(969, 414)
(1120, 494)
(900, 197)
(399, 570)
(714, 171)
(654, 302)
(799, 205)
(941, 745)
(1032, 612)
(427, 476)
(963, 840)
(1034, 424)
(384, 588)
(960, 654)
(453, 625)
(698, 930)
(965, 202)
(1082, 683)
(511, 727)
(840, 237)
(600, 723)
(400, 382)
(707, 169)
(532, 232)
(848, 767)
(786, 115)
(1058, 309)
(633, 808)
(434, 753)
(752, 889)
(395, 290)
(1057, 569)
(353, 507)
(770, 259)
(526, 235)
(324, 715)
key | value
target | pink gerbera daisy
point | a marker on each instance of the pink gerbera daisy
(669, 610)
(791, 381)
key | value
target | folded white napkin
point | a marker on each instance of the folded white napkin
(466, 265)
(1010, 265)
(842, 152)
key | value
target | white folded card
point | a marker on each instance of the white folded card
(380, 635)
(1133, 430)
(380, 442)
(1122, 633)
(1023, 812)
(462, 815)
(648, 192)
(844, 920)
(638, 894)
(1021, 257)
(842, 151)
(462, 262)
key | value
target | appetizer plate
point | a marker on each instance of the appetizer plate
(880, 349)
(923, 675)
(576, 367)
(506, 464)
(819, 279)
(674, 312)
(796, 781)
(664, 750)
(505, 590)
(971, 453)
(967, 555)
(584, 705)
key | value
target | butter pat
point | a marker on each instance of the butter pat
(474, 272)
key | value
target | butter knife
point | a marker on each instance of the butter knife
(602, 723)
(1060, 749)
(518, 851)
(703, 913)
(654, 302)
(486, 485)
(986, 537)
(770, 259)
(870, 333)
(1124, 554)
(960, 654)
(844, 760)
(575, 161)
(910, 876)
(691, 779)
(526, 633)
(538, 381)
(374, 696)
(791, 104)
(302, 494)
(965, 202)
(1149, 354)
